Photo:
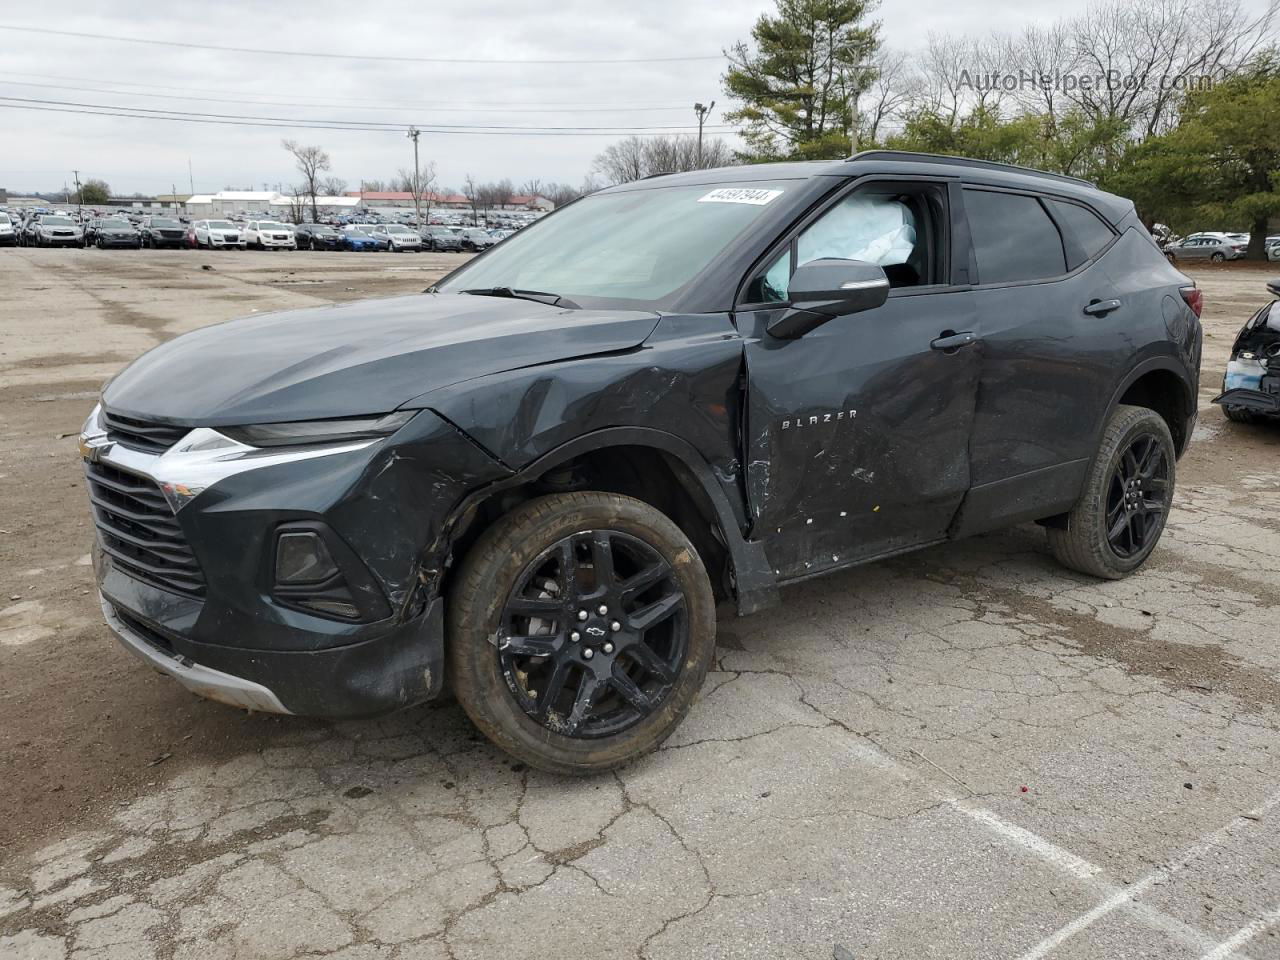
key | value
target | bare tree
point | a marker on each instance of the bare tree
(469, 190)
(532, 188)
(1151, 52)
(502, 192)
(312, 161)
(636, 157)
(297, 203)
(891, 92)
(623, 161)
(333, 186)
(418, 184)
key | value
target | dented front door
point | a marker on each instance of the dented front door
(857, 434)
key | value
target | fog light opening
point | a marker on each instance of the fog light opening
(302, 557)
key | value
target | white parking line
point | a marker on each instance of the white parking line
(1129, 894)
(1242, 936)
(1116, 896)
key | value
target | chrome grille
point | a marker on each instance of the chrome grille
(138, 530)
(141, 434)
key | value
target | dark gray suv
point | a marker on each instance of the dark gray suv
(540, 475)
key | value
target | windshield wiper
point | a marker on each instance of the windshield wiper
(554, 299)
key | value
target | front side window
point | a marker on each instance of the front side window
(893, 226)
(640, 246)
(1013, 237)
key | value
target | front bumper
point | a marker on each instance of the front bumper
(399, 668)
(119, 241)
(235, 637)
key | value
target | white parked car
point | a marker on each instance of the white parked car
(269, 235)
(218, 234)
(8, 237)
(400, 237)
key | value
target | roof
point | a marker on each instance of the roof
(903, 164)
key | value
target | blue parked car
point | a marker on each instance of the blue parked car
(359, 236)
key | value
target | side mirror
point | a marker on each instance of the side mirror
(822, 290)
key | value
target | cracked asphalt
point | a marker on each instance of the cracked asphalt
(962, 753)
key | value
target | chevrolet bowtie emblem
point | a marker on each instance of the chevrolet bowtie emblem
(92, 452)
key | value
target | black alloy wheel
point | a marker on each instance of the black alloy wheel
(1125, 501)
(1138, 498)
(580, 627)
(593, 635)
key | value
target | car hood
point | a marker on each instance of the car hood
(349, 359)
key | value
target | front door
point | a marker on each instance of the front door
(858, 432)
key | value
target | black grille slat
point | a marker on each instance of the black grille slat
(138, 529)
(141, 434)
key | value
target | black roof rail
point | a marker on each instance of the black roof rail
(908, 157)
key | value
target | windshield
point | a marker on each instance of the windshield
(163, 222)
(272, 226)
(396, 228)
(115, 225)
(639, 245)
(56, 221)
(221, 225)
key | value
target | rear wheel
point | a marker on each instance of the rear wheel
(1119, 517)
(1218, 257)
(580, 629)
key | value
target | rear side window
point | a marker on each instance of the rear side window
(1083, 231)
(1013, 237)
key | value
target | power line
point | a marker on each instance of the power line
(354, 124)
(352, 101)
(186, 45)
(339, 126)
(383, 106)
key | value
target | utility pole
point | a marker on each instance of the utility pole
(855, 92)
(191, 180)
(79, 197)
(417, 177)
(702, 112)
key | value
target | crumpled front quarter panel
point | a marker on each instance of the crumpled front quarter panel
(684, 381)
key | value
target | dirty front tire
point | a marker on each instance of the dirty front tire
(1128, 490)
(580, 628)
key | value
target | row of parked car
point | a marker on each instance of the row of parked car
(63, 230)
(1216, 247)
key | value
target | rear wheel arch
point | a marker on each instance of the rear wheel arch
(1160, 385)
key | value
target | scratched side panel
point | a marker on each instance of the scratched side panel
(857, 436)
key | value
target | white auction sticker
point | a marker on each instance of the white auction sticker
(740, 195)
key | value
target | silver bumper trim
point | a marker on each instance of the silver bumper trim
(202, 681)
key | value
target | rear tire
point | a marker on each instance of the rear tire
(1218, 257)
(613, 686)
(1121, 513)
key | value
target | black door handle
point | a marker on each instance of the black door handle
(951, 342)
(1100, 308)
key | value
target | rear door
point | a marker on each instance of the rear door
(858, 432)
(1051, 320)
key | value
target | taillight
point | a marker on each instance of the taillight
(1194, 298)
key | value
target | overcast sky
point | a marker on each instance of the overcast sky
(42, 148)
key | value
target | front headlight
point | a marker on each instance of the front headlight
(319, 431)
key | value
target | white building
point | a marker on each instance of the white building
(277, 205)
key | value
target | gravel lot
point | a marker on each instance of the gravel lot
(963, 753)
